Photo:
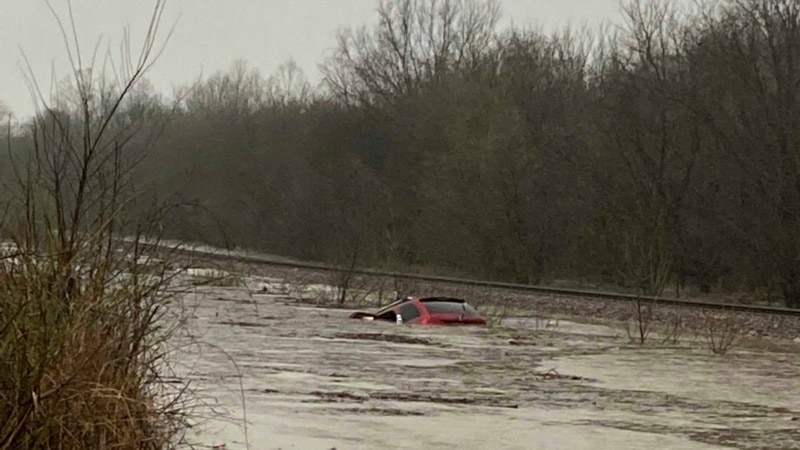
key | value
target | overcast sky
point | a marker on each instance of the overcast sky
(210, 34)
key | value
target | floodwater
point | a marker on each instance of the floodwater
(310, 378)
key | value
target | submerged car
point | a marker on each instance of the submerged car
(426, 311)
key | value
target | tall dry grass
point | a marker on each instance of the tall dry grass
(81, 354)
(84, 316)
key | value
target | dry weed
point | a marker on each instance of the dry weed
(674, 326)
(638, 323)
(84, 322)
(721, 331)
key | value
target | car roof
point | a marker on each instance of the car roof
(423, 300)
(442, 299)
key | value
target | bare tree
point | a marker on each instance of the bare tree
(647, 134)
(5, 113)
(749, 51)
(288, 86)
(416, 41)
(239, 90)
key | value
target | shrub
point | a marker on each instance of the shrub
(83, 314)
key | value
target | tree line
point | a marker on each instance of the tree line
(660, 154)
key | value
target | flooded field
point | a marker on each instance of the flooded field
(309, 378)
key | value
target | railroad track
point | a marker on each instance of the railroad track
(583, 293)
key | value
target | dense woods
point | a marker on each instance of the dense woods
(661, 154)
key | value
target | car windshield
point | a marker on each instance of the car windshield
(388, 307)
(449, 307)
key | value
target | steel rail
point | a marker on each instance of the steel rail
(584, 293)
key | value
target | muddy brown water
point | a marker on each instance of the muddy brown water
(309, 378)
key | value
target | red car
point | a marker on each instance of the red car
(426, 311)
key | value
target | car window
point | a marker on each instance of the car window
(409, 311)
(448, 307)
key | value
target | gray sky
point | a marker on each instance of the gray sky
(210, 34)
